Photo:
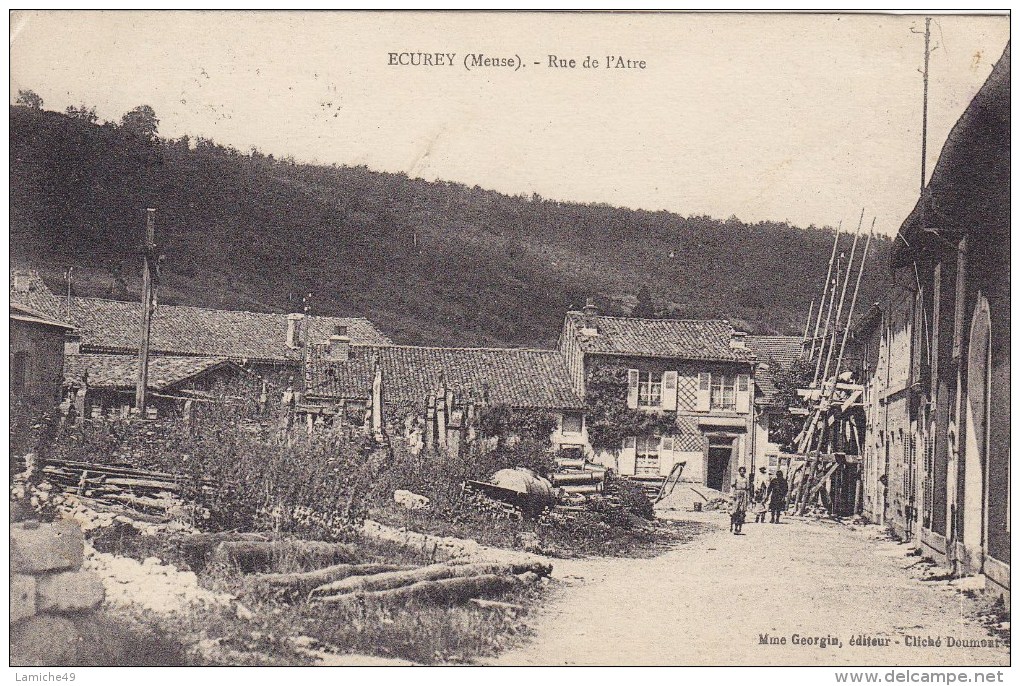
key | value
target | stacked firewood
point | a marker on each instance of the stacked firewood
(146, 491)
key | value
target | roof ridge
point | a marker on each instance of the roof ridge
(777, 335)
(211, 309)
(657, 319)
(458, 348)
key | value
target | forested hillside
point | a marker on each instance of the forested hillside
(430, 262)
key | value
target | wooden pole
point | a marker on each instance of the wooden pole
(924, 118)
(377, 401)
(828, 320)
(69, 276)
(825, 287)
(842, 297)
(807, 325)
(148, 306)
(853, 301)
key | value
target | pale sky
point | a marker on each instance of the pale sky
(806, 118)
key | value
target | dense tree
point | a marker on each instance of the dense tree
(141, 121)
(29, 98)
(645, 307)
(82, 112)
(784, 426)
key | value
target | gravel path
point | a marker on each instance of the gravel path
(710, 602)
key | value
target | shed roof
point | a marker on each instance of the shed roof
(121, 371)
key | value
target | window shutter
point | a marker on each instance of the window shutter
(628, 456)
(669, 390)
(666, 459)
(704, 392)
(632, 388)
(743, 393)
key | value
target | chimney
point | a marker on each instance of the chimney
(22, 281)
(294, 330)
(340, 330)
(339, 348)
(72, 343)
(590, 313)
(739, 340)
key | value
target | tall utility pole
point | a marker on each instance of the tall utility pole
(149, 266)
(924, 115)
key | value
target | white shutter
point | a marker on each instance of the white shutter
(669, 390)
(666, 459)
(704, 392)
(628, 456)
(743, 393)
(632, 388)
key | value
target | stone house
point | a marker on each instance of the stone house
(698, 375)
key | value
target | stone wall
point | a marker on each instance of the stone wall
(50, 593)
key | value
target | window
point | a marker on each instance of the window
(572, 422)
(649, 389)
(647, 456)
(724, 392)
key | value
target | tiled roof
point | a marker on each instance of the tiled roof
(765, 386)
(687, 339)
(111, 325)
(35, 297)
(775, 353)
(782, 350)
(121, 371)
(511, 376)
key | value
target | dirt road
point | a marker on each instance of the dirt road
(807, 588)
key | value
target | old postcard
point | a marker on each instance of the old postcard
(510, 338)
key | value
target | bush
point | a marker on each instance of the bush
(440, 477)
(243, 471)
(631, 495)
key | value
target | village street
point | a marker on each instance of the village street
(709, 603)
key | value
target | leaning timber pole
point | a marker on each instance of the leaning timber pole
(825, 287)
(828, 320)
(842, 297)
(853, 303)
(804, 438)
(148, 303)
(807, 326)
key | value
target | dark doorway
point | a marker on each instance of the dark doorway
(717, 473)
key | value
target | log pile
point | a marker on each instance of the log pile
(441, 583)
(147, 491)
(300, 584)
(577, 479)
